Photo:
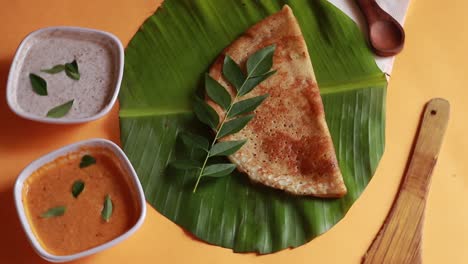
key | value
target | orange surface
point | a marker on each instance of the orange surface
(433, 64)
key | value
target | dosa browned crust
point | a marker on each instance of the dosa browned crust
(289, 146)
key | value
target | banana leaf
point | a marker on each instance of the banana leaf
(165, 63)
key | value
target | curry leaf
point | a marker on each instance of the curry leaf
(87, 160)
(107, 209)
(72, 71)
(234, 125)
(39, 85)
(232, 72)
(56, 69)
(254, 81)
(218, 170)
(217, 92)
(185, 164)
(205, 113)
(226, 148)
(77, 188)
(61, 110)
(196, 141)
(53, 212)
(247, 105)
(261, 61)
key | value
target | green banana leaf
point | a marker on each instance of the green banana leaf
(165, 63)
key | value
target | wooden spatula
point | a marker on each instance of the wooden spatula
(399, 239)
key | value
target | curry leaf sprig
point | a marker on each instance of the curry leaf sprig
(235, 113)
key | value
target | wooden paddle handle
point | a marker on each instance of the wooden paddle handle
(399, 239)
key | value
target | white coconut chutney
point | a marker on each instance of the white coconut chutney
(98, 67)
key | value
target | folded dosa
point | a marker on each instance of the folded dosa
(289, 145)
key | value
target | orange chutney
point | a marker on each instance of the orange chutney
(81, 227)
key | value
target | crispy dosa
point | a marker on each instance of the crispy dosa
(289, 145)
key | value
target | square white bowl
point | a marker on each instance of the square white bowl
(18, 196)
(36, 36)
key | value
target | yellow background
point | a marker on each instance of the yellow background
(434, 63)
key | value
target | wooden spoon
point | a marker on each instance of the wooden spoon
(386, 35)
(399, 239)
